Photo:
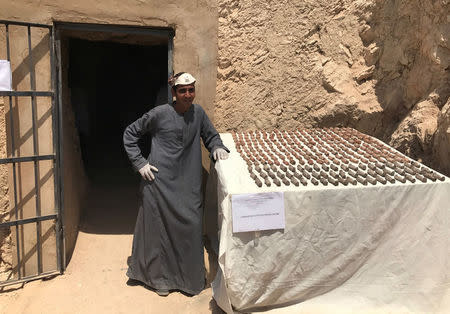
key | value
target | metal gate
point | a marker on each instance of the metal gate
(40, 210)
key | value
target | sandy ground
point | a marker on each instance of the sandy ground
(95, 280)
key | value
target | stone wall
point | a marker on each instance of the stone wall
(381, 67)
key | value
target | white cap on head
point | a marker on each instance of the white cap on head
(184, 79)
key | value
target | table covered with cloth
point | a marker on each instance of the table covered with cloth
(355, 248)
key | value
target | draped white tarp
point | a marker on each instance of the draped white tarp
(349, 249)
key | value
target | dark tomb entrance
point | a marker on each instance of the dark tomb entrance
(112, 75)
(113, 84)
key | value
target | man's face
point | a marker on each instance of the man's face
(185, 94)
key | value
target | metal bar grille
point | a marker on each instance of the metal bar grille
(15, 159)
(13, 152)
(26, 158)
(59, 147)
(29, 278)
(27, 220)
(35, 149)
(18, 23)
(57, 181)
(27, 93)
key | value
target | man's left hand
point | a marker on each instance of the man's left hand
(220, 153)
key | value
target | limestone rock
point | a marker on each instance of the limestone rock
(365, 74)
(367, 34)
(414, 135)
(441, 144)
(336, 77)
(372, 54)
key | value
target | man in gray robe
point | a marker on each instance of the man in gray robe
(167, 249)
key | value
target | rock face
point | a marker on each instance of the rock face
(380, 66)
(414, 135)
(441, 145)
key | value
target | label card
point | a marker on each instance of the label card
(258, 211)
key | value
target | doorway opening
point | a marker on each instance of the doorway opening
(111, 85)
(110, 76)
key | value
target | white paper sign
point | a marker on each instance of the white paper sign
(5, 75)
(258, 211)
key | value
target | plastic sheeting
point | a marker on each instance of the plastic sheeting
(383, 248)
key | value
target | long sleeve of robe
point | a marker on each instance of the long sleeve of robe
(167, 251)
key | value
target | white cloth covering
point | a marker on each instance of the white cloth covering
(345, 249)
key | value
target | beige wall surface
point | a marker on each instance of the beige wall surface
(195, 23)
(75, 181)
(195, 51)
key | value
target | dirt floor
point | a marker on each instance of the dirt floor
(95, 280)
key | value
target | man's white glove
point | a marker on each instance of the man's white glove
(220, 153)
(146, 172)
